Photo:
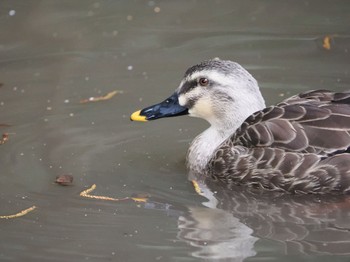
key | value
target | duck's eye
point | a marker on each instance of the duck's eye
(203, 81)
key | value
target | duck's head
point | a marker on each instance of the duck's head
(218, 91)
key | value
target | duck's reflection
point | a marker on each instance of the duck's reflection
(236, 219)
(216, 234)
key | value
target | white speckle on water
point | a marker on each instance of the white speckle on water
(66, 101)
(130, 67)
(2, 103)
(129, 17)
(87, 78)
(15, 88)
(12, 12)
(157, 9)
(71, 114)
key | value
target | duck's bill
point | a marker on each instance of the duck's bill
(168, 108)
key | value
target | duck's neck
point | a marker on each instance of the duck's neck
(203, 147)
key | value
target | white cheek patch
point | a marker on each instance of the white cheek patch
(202, 108)
(182, 100)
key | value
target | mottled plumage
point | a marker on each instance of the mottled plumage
(299, 145)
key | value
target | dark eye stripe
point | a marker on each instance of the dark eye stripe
(187, 86)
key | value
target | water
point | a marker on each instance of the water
(55, 53)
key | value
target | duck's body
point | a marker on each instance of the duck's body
(299, 145)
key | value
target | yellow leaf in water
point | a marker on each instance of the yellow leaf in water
(327, 42)
(197, 187)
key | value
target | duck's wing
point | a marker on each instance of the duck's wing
(270, 148)
(312, 122)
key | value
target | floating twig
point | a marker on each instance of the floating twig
(139, 199)
(20, 214)
(86, 193)
(101, 98)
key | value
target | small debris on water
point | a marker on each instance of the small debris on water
(64, 180)
(4, 138)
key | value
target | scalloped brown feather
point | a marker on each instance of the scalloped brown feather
(301, 146)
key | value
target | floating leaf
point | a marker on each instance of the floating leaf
(197, 187)
(327, 42)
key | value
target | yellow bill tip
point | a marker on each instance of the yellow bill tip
(137, 117)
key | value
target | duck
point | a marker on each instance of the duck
(301, 145)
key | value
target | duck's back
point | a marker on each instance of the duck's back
(300, 145)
